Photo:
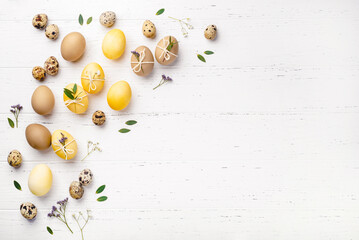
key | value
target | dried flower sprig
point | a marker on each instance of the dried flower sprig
(78, 220)
(63, 139)
(185, 26)
(137, 55)
(15, 109)
(60, 213)
(163, 81)
(91, 147)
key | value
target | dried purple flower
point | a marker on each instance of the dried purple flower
(60, 213)
(15, 109)
(136, 54)
(163, 81)
(62, 140)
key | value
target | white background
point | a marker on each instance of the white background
(261, 142)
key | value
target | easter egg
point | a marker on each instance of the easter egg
(92, 78)
(64, 144)
(75, 98)
(40, 180)
(43, 100)
(38, 136)
(166, 50)
(142, 61)
(119, 95)
(73, 46)
(113, 44)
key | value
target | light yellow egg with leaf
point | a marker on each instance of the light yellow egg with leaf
(75, 98)
(113, 44)
(40, 180)
(119, 95)
(92, 78)
(64, 144)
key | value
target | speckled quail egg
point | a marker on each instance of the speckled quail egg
(76, 190)
(28, 210)
(39, 21)
(108, 18)
(51, 66)
(149, 29)
(85, 177)
(98, 118)
(39, 73)
(14, 158)
(210, 32)
(52, 31)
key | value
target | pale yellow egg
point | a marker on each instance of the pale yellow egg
(119, 95)
(92, 78)
(40, 180)
(113, 44)
(80, 102)
(64, 144)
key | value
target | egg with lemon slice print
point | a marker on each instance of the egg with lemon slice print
(64, 144)
(75, 98)
(92, 78)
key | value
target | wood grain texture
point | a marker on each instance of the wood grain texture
(261, 142)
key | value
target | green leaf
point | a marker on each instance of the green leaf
(124, 130)
(17, 185)
(89, 20)
(50, 230)
(131, 122)
(159, 12)
(100, 189)
(11, 122)
(200, 57)
(69, 93)
(101, 199)
(208, 52)
(74, 89)
(81, 19)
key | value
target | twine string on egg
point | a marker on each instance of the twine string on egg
(165, 52)
(63, 148)
(92, 85)
(76, 100)
(138, 67)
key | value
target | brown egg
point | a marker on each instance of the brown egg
(43, 100)
(38, 136)
(73, 46)
(162, 54)
(145, 56)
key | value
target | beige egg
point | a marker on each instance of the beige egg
(38, 136)
(142, 61)
(73, 46)
(40, 180)
(166, 50)
(43, 100)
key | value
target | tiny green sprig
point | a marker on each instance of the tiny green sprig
(185, 25)
(92, 147)
(80, 218)
(170, 44)
(200, 57)
(81, 20)
(71, 93)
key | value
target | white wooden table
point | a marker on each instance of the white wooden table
(261, 142)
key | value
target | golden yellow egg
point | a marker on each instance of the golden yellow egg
(92, 78)
(119, 95)
(40, 180)
(113, 44)
(64, 144)
(78, 103)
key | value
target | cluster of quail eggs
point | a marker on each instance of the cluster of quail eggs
(51, 67)
(76, 187)
(40, 20)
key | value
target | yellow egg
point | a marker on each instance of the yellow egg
(40, 180)
(114, 43)
(80, 102)
(92, 78)
(119, 95)
(64, 144)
